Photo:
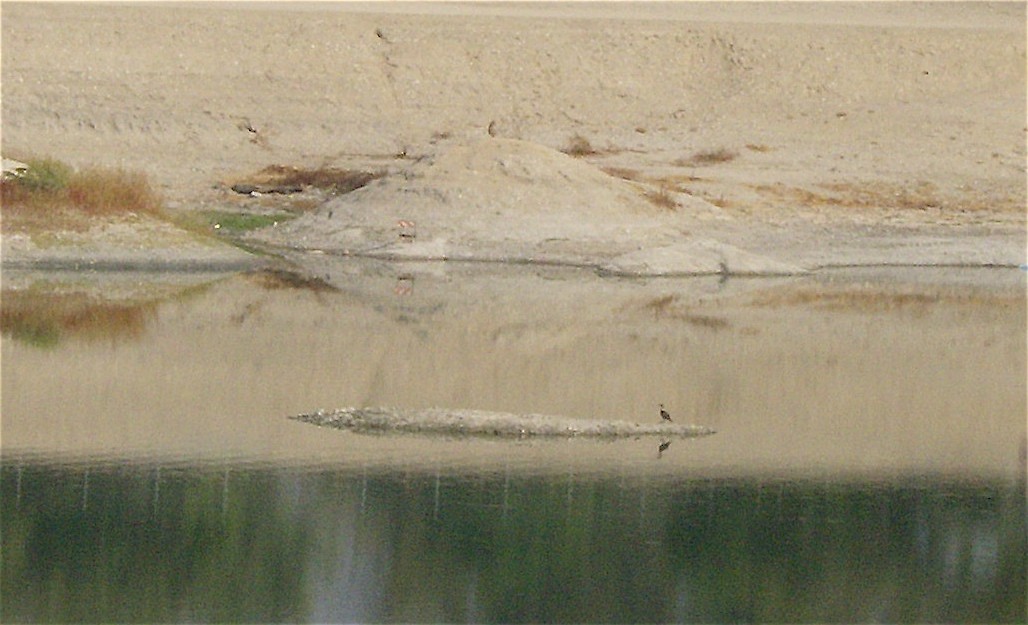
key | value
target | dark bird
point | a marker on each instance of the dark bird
(663, 448)
(663, 413)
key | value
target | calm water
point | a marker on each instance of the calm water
(158, 543)
(869, 463)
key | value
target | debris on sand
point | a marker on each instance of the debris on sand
(442, 422)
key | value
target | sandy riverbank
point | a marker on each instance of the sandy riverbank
(784, 137)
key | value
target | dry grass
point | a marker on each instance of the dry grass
(109, 192)
(707, 157)
(53, 196)
(662, 198)
(758, 147)
(659, 197)
(579, 146)
(331, 179)
(884, 195)
(623, 172)
(920, 196)
(51, 185)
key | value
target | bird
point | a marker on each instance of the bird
(663, 413)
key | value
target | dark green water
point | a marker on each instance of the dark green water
(263, 544)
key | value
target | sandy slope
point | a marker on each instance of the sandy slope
(859, 124)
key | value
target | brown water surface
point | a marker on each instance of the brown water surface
(846, 372)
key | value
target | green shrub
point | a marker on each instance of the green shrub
(44, 175)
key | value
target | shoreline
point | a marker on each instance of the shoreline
(786, 140)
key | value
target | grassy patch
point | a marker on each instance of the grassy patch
(334, 180)
(662, 198)
(50, 185)
(44, 176)
(707, 157)
(920, 196)
(232, 222)
(51, 196)
(112, 192)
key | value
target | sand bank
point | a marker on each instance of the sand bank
(461, 423)
(808, 135)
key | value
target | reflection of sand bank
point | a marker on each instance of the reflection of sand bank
(927, 377)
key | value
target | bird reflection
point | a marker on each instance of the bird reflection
(723, 270)
(404, 284)
(663, 447)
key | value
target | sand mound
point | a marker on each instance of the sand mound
(514, 201)
(850, 126)
(495, 199)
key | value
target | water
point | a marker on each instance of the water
(869, 462)
(216, 543)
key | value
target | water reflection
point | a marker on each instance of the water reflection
(47, 320)
(841, 372)
(237, 542)
(868, 464)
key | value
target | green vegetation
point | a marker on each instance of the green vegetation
(45, 320)
(230, 222)
(43, 176)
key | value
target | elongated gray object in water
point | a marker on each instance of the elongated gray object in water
(483, 423)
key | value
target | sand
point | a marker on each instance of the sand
(788, 138)
(490, 424)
